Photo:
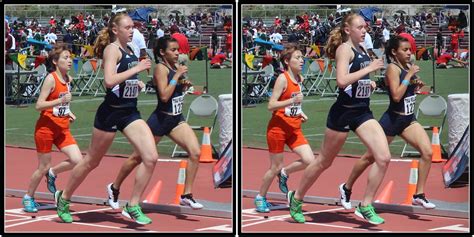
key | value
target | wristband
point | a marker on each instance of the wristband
(405, 82)
(173, 82)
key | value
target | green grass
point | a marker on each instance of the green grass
(255, 120)
(20, 122)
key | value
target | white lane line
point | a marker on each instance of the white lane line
(226, 227)
(106, 226)
(281, 217)
(457, 227)
(49, 217)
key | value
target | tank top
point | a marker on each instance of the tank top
(291, 113)
(124, 95)
(357, 94)
(406, 105)
(174, 105)
(59, 114)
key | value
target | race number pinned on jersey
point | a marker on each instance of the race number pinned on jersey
(61, 110)
(294, 109)
(409, 104)
(130, 90)
(177, 104)
(363, 89)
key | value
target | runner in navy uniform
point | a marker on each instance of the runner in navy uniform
(399, 119)
(167, 119)
(117, 112)
(350, 112)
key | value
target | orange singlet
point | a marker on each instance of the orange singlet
(53, 123)
(285, 125)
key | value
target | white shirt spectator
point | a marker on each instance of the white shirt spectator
(159, 33)
(138, 42)
(368, 42)
(51, 37)
(386, 34)
(277, 38)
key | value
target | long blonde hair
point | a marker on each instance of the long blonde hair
(338, 35)
(106, 35)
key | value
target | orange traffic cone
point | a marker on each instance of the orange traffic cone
(206, 150)
(386, 195)
(412, 181)
(436, 147)
(154, 195)
(181, 181)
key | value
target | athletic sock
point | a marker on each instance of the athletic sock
(283, 172)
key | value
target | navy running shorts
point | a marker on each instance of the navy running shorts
(111, 119)
(394, 124)
(344, 119)
(162, 124)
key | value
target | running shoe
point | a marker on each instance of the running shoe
(113, 196)
(282, 183)
(420, 199)
(345, 196)
(50, 181)
(261, 204)
(62, 207)
(296, 211)
(29, 204)
(368, 213)
(135, 213)
(188, 200)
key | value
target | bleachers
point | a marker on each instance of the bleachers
(430, 35)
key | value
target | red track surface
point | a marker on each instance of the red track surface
(20, 163)
(255, 162)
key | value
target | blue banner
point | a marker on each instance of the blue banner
(456, 165)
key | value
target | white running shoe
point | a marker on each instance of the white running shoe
(188, 200)
(112, 197)
(419, 199)
(345, 197)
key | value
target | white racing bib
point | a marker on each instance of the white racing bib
(294, 109)
(177, 104)
(409, 104)
(363, 89)
(130, 90)
(61, 110)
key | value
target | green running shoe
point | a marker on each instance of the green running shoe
(369, 214)
(295, 208)
(62, 207)
(135, 213)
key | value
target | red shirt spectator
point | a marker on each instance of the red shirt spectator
(182, 42)
(228, 41)
(410, 39)
(277, 21)
(52, 22)
(218, 59)
(444, 58)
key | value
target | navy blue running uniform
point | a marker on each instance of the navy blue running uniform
(400, 115)
(351, 108)
(119, 107)
(167, 115)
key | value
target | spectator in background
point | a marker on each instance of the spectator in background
(138, 42)
(159, 33)
(277, 21)
(462, 20)
(217, 61)
(444, 59)
(51, 37)
(457, 33)
(228, 42)
(67, 39)
(214, 41)
(439, 41)
(182, 42)
(386, 34)
(368, 41)
(52, 22)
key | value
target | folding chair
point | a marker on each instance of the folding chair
(264, 81)
(80, 81)
(433, 106)
(313, 76)
(90, 81)
(38, 79)
(327, 77)
(204, 106)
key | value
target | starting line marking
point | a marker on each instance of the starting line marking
(49, 217)
(457, 227)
